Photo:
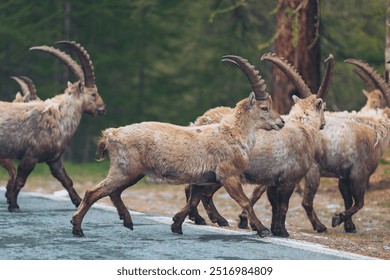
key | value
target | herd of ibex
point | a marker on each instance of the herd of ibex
(226, 147)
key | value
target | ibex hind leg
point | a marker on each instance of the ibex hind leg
(26, 166)
(208, 204)
(193, 214)
(256, 195)
(122, 210)
(353, 192)
(105, 188)
(192, 203)
(58, 171)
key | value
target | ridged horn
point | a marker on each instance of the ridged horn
(65, 59)
(31, 87)
(327, 80)
(23, 85)
(85, 61)
(375, 77)
(257, 83)
(290, 72)
(369, 83)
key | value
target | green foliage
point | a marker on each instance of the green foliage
(160, 60)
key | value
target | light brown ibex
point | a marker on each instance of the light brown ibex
(349, 149)
(41, 130)
(280, 160)
(205, 155)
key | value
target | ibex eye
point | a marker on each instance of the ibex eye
(94, 94)
(264, 109)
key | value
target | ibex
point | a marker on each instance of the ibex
(349, 149)
(41, 130)
(204, 155)
(280, 160)
(352, 145)
(28, 93)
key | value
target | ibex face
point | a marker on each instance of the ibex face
(311, 107)
(264, 114)
(93, 103)
(259, 102)
(375, 100)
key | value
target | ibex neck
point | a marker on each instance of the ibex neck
(244, 129)
(70, 111)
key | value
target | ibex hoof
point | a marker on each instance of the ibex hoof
(176, 229)
(336, 220)
(243, 223)
(78, 232)
(76, 203)
(13, 208)
(128, 225)
(222, 222)
(200, 221)
(264, 232)
(321, 229)
(281, 233)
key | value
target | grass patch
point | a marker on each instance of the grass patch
(385, 204)
(384, 161)
(92, 171)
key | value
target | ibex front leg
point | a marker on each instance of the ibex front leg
(234, 189)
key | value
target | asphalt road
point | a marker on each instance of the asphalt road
(42, 231)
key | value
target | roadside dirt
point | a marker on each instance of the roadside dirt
(372, 222)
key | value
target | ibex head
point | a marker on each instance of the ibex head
(374, 81)
(92, 102)
(29, 92)
(259, 101)
(300, 84)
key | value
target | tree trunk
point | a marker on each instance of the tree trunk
(297, 41)
(387, 51)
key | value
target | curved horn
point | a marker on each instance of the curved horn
(64, 58)
(290, 72)
(23, 85)
(327, 80)
(376, 78)
(31, 87)
(257, 83)
(369, 83)
(85, 61)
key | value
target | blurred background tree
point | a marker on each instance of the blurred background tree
(160, 60)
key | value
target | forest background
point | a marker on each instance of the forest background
(161, 60)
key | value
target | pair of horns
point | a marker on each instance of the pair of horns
(375, 81)
(258, 84)
(85, 72)
(27, 86)
(290, 71)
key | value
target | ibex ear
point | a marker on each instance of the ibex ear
(295, 98)
(80, 87)
(366, 93)
(69, 84)
(319, 103)
(251, 100)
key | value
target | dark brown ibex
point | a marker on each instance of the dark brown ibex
(28, 94)
(40, 131)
